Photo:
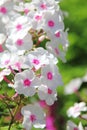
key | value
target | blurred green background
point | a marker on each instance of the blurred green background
(76, 66)
(76, 21)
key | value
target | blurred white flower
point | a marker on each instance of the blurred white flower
(73, 126)
(73, 86)
(53, 48)
(76, 110)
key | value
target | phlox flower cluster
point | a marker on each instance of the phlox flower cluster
(32, 39)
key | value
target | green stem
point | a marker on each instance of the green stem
(13, 116)
(9, 109)
(10, 125)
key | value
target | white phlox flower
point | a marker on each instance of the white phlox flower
(18, 27)
(26, 8)
(52, 22)
(73, 86)
(54, 49)
(39, 57)
(6, 10)
(37, 20)
(44, 5)
(12, 60)
(76, 110)
(73, 126)
(26, 83)
(50, 77)
(33, 116)
(21, 43)
(44, 93)
(59, 37)
(7, 59)
(19, 63)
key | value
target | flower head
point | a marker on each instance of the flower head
(76, 110)
(26, 83)
(33, 116)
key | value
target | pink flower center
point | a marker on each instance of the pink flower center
(75, 89)
(1, 48)
(35, 61)
(27, 82)
(51, 23)
(56, 51)
(75, 128)
(19, 27)
(32, 118)
(49, 75)
(57, 34)
(17, 64)
(3, 10)
(76, 109)
(38, 17)
(19, 42)
(43, 6)
(7, 62)
(26, 11)
(49, 91)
